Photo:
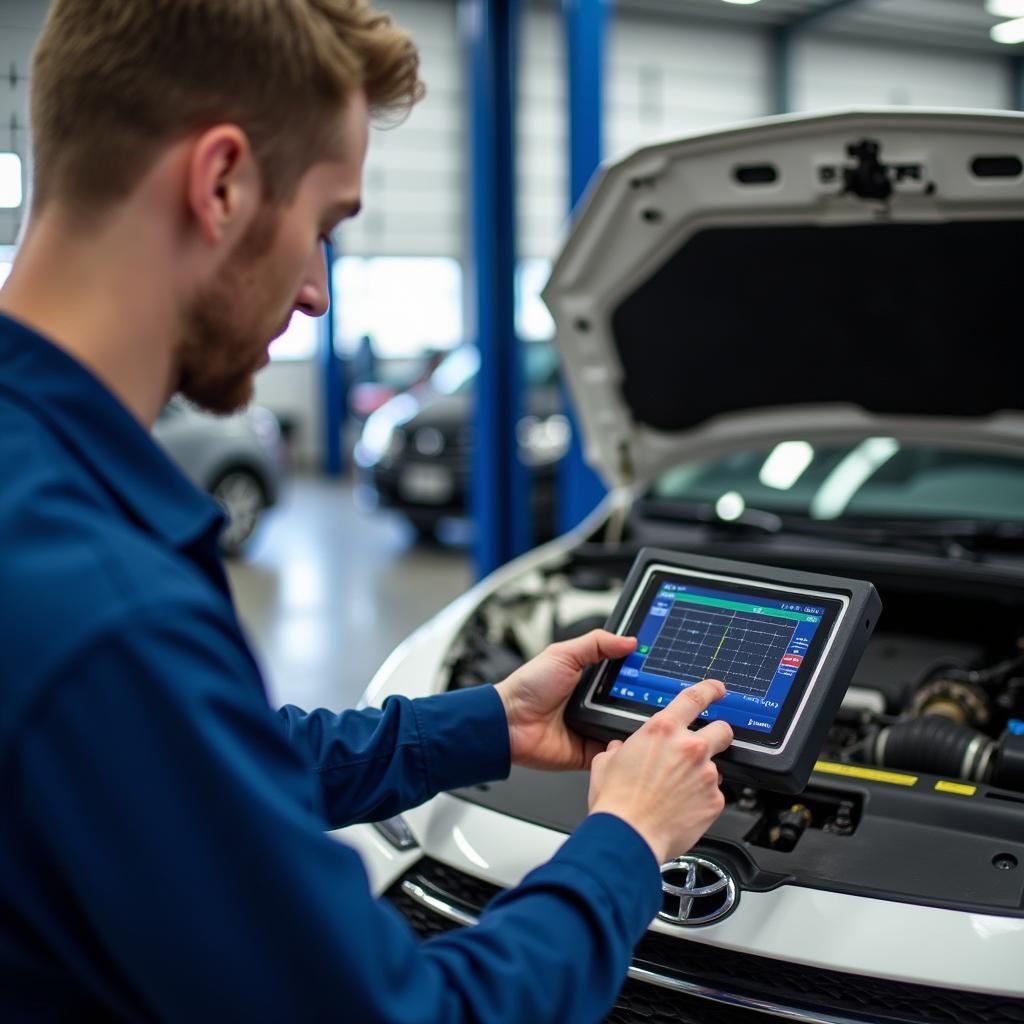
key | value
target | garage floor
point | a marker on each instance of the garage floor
(327, 590)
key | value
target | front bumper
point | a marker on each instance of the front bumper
(796, 954)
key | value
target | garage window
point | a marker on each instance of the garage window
(10, 181)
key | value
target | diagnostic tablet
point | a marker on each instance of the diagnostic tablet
(784, 643)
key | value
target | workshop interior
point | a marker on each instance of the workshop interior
(692, 320)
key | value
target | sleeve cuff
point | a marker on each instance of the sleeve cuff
(465, 737)
(612, 853)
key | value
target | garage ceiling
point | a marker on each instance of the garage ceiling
(958, 24)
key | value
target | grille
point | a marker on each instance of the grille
(827, 992)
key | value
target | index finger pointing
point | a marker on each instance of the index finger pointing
(687, 706)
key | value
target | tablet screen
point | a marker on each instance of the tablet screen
(763, 641)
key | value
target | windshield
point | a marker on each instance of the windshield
(456, 375)
(877, 478)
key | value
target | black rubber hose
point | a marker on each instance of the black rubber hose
(935, 745)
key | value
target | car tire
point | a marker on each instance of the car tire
(243, 497)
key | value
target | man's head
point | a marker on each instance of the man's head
(250, 116)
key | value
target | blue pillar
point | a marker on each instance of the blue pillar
(333, 382)
(499, 498)
(586, 32)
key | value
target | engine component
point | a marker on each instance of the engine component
(961, 702)
(1008, 770)
(936, 745)
(791, 826)
(843, 822)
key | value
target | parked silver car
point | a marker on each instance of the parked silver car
(238, 459)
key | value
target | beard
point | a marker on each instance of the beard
(223, 346)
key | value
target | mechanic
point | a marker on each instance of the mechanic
(163, 851)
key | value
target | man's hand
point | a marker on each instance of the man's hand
(536, 694)
(662, 780)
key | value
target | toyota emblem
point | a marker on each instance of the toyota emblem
(696, 891)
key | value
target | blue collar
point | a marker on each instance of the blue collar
(103, 436)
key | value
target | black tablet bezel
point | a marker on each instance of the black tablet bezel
(834, 604)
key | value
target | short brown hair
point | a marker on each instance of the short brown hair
(115, 81)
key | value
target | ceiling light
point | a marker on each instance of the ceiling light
(786, 464)
(1005, 8)
(730, 506)
(1008, 32)
(741, 1)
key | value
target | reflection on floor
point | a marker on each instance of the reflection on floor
(326, 591)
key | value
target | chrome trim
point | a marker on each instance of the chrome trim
(780, 1011)
(438, 905)
(716, 995)
(689, 890)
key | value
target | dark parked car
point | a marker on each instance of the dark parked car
(415, 450)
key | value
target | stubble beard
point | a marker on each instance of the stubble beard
(223, 345)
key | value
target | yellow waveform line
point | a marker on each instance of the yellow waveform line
(720, 642)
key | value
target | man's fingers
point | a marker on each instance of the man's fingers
(718, 736)
(595, 646)
(686, 706)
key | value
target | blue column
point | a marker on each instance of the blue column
(586, 32)
(499, 498)
(333, 380)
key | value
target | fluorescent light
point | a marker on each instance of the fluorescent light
(730, 506)
(741, 1)
(785, 465)
(1005, 8)
(850, 474)
(1008, 32)
(10, 181)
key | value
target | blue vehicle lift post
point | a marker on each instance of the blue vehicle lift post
(499, 498)
(586, 36)
(333, 380)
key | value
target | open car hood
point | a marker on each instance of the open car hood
(829, 276)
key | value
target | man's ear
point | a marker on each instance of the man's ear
(223, 188)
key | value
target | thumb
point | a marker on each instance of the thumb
(594, 646)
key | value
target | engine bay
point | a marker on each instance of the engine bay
(923, 762)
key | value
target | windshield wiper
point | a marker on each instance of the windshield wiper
(954, 538)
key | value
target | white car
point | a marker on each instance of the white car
(796, 343)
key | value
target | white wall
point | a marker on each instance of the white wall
(672, 80)
(415, 173)
(830, 72)
(20, 22)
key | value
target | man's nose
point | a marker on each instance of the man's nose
(314, 298)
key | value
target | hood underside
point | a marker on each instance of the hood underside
(831, 276)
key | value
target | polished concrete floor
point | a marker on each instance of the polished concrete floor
(327, 590)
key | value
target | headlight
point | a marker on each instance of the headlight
(543, 441)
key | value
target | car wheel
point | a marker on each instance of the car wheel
(241, 494)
